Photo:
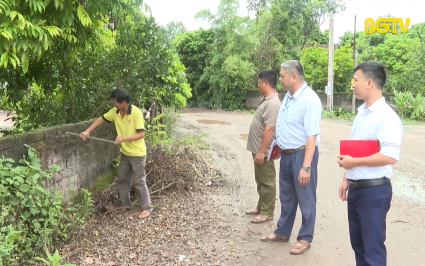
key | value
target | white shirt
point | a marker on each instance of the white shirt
(380, 122)
(299, 117)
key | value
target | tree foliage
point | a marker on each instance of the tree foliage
(30, 28)
(69, 79)
(226, 75)
(194, 49)
(315, 62)
(222, 62)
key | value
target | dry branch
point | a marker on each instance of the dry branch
(170, 168)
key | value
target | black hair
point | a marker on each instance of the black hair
(374, 71)
(270, 76)
(120, 95)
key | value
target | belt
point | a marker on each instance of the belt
(368, 182)
(293, 150)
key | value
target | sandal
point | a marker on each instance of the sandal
(301, 246)
(261, 219)
(276, 238)
(253, 211)
(145, 214)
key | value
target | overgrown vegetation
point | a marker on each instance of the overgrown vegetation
(78, 52)
(222, 61)
(33, 219)
(408, 106)
(338, 114)
(60, 59)
(172, 162)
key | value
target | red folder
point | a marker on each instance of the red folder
(358, 148)
(275, 151)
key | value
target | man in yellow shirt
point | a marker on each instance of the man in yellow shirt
(129, 123)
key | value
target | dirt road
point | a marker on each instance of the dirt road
(331, 246)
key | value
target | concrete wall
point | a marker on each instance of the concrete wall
(341, 99)
(80, 162)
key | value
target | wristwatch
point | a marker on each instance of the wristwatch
(306, 168)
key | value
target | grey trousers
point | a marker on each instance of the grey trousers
(291, 194)
(128, 167)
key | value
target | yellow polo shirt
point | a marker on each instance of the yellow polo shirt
(127, 126)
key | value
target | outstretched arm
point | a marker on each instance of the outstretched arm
(95, 124)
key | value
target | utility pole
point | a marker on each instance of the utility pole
(330, 93)
(353, 103)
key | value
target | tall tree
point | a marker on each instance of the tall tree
(315, 62)
(194, 49)
(297, 22)
(172, 30)
(70, 83)
(230, 72)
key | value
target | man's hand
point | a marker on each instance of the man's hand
(118, 140)
(347, 162)
(303, 177)
(343, 189)
(259, 158)
(84, 135)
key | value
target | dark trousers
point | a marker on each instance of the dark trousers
(291, 194)
(367, 213)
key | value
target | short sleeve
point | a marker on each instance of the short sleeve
(389, 131)
(109, 116)
(139, 121)
(312, 116)
(270, 113)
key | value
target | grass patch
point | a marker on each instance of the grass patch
(412, 122)
(339, 114)
(196, 141)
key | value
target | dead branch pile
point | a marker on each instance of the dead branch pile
(169, 169)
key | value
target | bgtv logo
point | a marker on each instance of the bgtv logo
(383, 25)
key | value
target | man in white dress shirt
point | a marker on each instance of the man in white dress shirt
(367, 179)
(297, 134)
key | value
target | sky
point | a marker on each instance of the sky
(166, 11)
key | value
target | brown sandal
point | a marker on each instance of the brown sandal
(274, 239)
(261, 219)
(301, 246)
(253, 211)
(145, 214)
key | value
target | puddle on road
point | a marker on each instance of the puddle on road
(212, 122)
(243, 136)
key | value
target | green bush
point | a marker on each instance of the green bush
(408, 106)
(338, 114)
(32, 218)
